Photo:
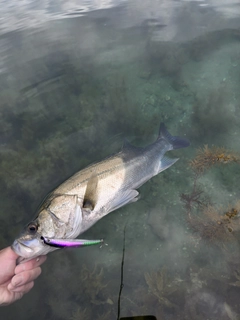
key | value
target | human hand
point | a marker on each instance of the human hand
(15, 281)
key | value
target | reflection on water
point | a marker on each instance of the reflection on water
(76, 79)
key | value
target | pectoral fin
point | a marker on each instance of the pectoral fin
(122, 199)
(90, 197)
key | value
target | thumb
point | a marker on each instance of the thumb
(8, 254)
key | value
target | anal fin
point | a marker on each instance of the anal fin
(166, 163)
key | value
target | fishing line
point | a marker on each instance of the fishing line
(121, 281)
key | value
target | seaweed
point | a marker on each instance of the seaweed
(196, 198)
(159, 286)
(214, 226)
(80, 314)
(207, 157)
(212, 223)
(92, 284)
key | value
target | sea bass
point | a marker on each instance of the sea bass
(93, 192)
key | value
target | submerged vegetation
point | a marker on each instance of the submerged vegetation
(212, 222)
(92, 284)
(160, 286)
(207, 157)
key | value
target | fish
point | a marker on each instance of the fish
(92, 193)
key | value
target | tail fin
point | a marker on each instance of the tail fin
(175, 141)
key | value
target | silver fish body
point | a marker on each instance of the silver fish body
(95, 191)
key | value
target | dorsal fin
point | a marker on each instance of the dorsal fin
(127, 146)
(90, 196)
(129, 151)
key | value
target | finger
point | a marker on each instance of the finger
(8, 254)
(24, 278)
(15, 296)
(24, 288)
(8, 264)
(31, 264)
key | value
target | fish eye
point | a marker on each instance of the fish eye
(32, 228)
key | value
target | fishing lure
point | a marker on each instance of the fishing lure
(71, 243)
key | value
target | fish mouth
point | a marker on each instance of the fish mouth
(21, 248)
(29, 249)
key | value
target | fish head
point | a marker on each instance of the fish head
(60, 217)
(30, 243)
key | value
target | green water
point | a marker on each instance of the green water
(75, 80)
